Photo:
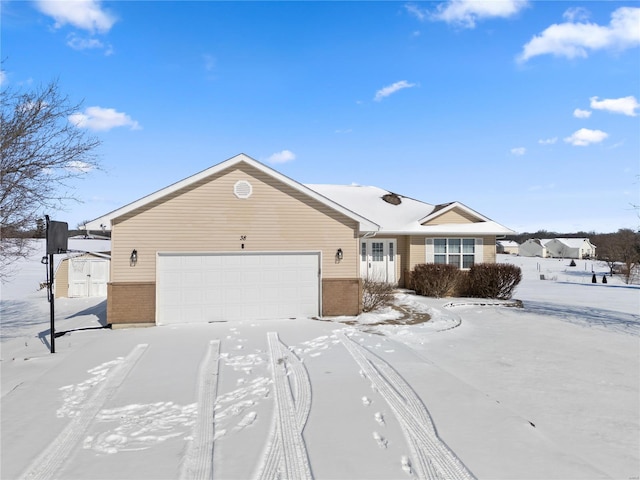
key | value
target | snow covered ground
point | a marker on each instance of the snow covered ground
(548, 391)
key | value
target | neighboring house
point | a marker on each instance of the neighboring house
(534, 247)
(571, 248)
(507, 246)
(243, 241)
(82, 275)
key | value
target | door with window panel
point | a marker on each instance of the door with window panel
(378, 260)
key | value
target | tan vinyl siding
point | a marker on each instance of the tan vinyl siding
(208, 217)
(62, 279)
(454, 215)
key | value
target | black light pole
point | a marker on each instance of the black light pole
(50, 290)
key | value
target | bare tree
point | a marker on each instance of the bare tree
(41, 151)
(621, 251)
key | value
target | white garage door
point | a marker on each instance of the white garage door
(207, 287)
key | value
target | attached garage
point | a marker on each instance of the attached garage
(210, 287)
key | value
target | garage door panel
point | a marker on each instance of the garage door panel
(250, 286)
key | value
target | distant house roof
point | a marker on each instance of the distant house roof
(575, 242)
(508, 243)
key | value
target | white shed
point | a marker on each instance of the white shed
(82, 275)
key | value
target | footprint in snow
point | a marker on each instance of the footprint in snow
(366, 402)
(379, 418)
(248, 419)
(382, 442)
(406, 464)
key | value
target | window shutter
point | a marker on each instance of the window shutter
(428, 246)
(479, 255)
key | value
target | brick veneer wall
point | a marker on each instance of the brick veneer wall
(131, 302)
(341, 296)
(135, 302)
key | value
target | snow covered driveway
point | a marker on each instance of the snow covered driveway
(551, 390)
(209, 399)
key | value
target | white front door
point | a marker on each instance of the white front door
(378, 260)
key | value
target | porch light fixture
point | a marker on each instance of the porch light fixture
(133, 259)
(339, 254)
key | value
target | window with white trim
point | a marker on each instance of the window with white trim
(461, 252)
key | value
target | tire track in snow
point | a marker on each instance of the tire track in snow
(286, 454)
(199, 459)
(52, 458)
(432, 458)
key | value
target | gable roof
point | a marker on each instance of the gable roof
(104, 222)
(404, 215)
(575, 242)
(376, 210)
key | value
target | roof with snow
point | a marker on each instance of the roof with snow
(397, 214)
(376, 210)
(575, 242)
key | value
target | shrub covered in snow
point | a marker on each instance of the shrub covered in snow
(375, 294)
(490, 280)
(434, 279)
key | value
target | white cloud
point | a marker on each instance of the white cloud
(390, 89)
(573, 40)
(548, 141)
(84, 14)
(209, 62)
(625, 105)
(3, 77)
(416, 11)
(548, 186)
(79, 43)
(102, 119)
(585, 137)
(467, 12)
(518, 151)
(576, 14)
(282, 157)
(79, 167)
(578, 113)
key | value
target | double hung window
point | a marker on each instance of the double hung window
(460, 252)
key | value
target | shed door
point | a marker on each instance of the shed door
(209, 287)
(88, 277)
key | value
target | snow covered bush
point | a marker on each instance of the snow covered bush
(375, 294)
(434, 279)
(490, 280)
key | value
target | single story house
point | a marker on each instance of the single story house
(507, 246)
(571, 248)
(241, 240)
(534, 247)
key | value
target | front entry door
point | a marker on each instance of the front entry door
(378, 260)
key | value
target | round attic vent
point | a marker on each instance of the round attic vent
(242, 189)
(392, 198)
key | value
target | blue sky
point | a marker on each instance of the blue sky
(527, 112)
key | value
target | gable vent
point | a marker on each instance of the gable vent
(242, 189)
